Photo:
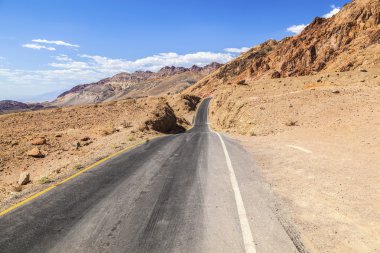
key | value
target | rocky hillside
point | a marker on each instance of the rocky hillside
(347, 41)
(138, 84)
(10, 105)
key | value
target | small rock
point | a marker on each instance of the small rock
(336, 91)
(35, 152)
(39, 141)
(58, 135)
(242, 82)
(86, 143)
(24, 178)
(85, 139)
(363, 70)
(276, 75)
(17, 188)
(362, 81)
(77, 145)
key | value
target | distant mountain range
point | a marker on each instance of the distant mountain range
(138, 84)
(10, 105)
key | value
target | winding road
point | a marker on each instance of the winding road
(197, 191)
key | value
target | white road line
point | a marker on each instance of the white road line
(244, 224)
(300, 148)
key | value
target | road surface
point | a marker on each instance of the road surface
(191, 192)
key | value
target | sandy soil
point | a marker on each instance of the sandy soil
(75, 137)
(317, 142)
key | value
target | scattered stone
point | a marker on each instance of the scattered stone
(58, 135)
(336, 91)
(363, 70)
(85, 139)
(77, 145)
(242, 82)
(291, 123)
(85, 143)
(39, 141)
(362, 81)
(17, 188)
(24, 178)
(276, 75)
(35, 152)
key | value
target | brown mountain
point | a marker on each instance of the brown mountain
(138, 84)
(347, 41)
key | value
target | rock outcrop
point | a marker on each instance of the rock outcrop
(164, 120)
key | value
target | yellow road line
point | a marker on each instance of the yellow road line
(71, 177)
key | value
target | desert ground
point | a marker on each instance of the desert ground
(316, 141)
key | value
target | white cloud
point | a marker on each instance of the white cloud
(38, 47)
(296, 29)
(333, 12)
(55, 42)
(237, 50)
(62, 57)
(155, 62)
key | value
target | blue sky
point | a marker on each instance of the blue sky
(48, 46)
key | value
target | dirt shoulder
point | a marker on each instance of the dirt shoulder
(317, 142)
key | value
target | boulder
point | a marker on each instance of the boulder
(24, 178)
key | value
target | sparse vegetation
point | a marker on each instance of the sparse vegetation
(45, 180)
(108, 131)
(78, 167)
(291, 123)
(126, 124)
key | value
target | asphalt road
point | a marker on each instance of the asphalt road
(177, 193)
